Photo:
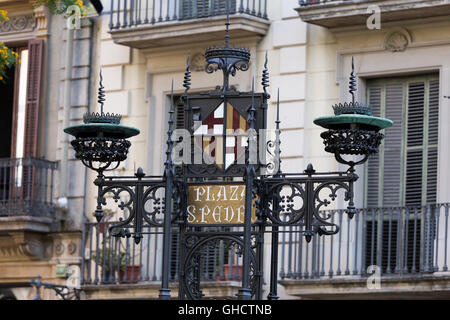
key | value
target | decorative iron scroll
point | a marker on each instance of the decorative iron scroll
(197, 246)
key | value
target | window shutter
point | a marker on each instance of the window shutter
(205, 8)
(30, 185)
(433, 126)
(174, 254)
(408, 155)
(186, 9)
(35, 49)
(408, 158)
(179, 113)
(392, 164)
(414, 153)
(384, 168)
(374, 160)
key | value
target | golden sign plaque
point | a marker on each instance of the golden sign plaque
(217, 204)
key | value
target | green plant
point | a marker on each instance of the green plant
(112, 260)
(8, 58)
(60, 6)
(108, 214)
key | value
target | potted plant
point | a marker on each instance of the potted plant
(132, 273)
(236, 273)
(110, 262)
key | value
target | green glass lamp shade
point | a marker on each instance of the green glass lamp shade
(343, 121)
(101, 125)
(110, 130)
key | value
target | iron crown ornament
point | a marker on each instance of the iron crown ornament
(226, 58)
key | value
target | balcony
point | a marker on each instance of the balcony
(345, 13)
(26, 194)
(151, 24)
(408, 246)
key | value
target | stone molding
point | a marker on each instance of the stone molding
(397, 40)
(24, 246)
(23, 23)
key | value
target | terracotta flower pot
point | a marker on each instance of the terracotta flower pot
(132, 273)
(236, 273)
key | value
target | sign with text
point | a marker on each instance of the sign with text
(217, 204)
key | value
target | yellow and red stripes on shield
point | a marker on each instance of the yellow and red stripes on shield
(213, 146)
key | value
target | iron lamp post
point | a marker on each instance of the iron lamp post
(272, 200)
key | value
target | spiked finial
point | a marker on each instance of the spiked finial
(187, 76)
(278, 109)
(352, 82)
(101, 117)
(265, 77)
(277, 133)
(169, 163)
(101, 93)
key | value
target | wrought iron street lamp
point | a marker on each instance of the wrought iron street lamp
(271, 199)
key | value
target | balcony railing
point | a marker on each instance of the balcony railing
(345, 13)
(313, 2)
(114, 261)
(26, 187)
(130, 13)
(398, 240)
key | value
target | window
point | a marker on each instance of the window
(19, 125)
(402, 177)
(404, 172)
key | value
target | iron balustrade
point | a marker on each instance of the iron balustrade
(129, 13)
(26, 187)
(399, 240)
(317, 2)
(110, 260)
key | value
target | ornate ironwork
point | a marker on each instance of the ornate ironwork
(352, 141)
(280, 199)
(63, 292)
(101, 150)
(226, 58)
(197, 248)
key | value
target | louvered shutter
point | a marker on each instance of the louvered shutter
(35, 51)
(430, 195)
(179, 113)
(408, 155)
(204, 8)
(414, 148)
(194, 9)
(433, 126)
(391, 179)
(408, 158)
(30, 185)
(384, 168)
(373, 174)
(174, 254)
